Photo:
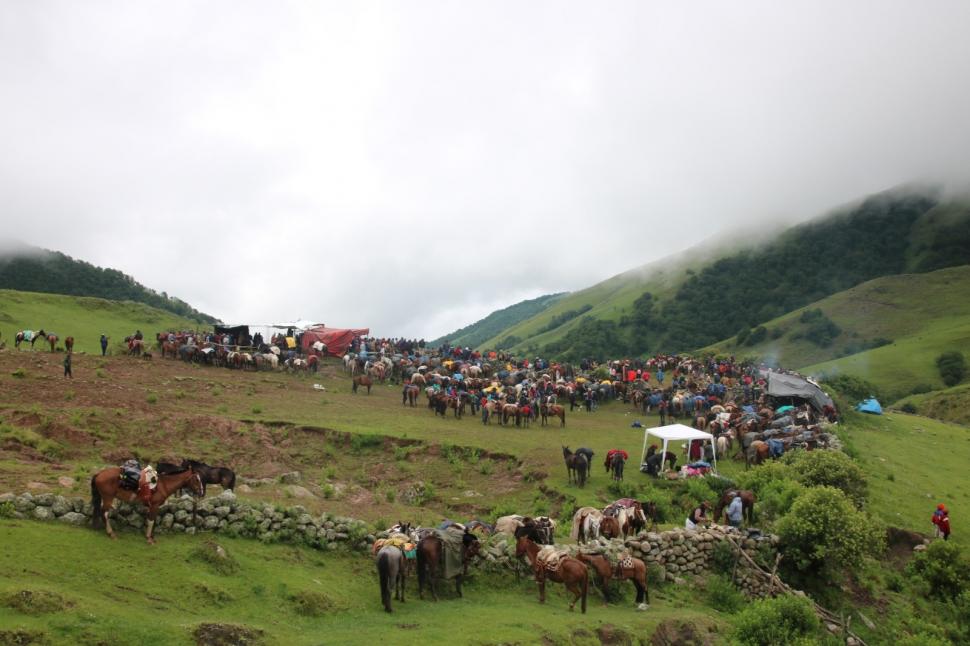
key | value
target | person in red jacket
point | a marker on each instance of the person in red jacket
(941, 518)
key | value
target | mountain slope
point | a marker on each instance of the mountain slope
(888, 331)
(86, 319)
(32, 269)
(473, 335)
(681, 304)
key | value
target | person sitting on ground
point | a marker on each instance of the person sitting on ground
(698, 517)
(735, 511)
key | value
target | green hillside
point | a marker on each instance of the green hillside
(707, 295)
(888, 331)
(473, 335)
(31, 269)
(86, 319)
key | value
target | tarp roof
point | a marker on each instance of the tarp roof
(337, 340)
(785, 385)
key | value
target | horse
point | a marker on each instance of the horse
(430, 553)
(569, 571)
(222, 476)
(553, 410)
(69, 344)
(106, 486)
(747, 504)
(136, 346)
(636, 572)
(49, 337)
(391, 571)
(19, 338)
(577, 466)
(410, 395)
(362, 380)
(510, 410)
(615, 461)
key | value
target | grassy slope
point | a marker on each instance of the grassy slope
(473, 335)
(160, 595)
(949, 405)
(913, 463)
(84, 318)
(924, 314)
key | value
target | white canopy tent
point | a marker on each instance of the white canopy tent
(676, 432)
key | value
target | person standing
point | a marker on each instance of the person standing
(104, 344)
(67, 365)
(941, 518)
(662, 408)
(735, 511)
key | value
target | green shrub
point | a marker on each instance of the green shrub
(666, 510)
(723, 595)
(359, 442)
(944, 568)
(909, 407)
(328, 491)
(723, 557)
(832, 469)
(782, 620)
(100, 374)
(824, 532)
(757, 335)
(623, 489)
(389, 495)
(852, 388)
(486, 468)
(698, 490)
(151, 398)
(743, 335)
(19, 373)
(777, 497)
(7, 510)
(257, 409)
(952, 367)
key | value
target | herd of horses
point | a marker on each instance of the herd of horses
(25, 336)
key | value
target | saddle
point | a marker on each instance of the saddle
(141, 481)
(550, 558)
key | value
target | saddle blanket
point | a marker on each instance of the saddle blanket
(550, 557)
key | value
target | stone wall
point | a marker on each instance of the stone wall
(672, 555)
(223, 513)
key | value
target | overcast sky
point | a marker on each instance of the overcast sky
(411, 166)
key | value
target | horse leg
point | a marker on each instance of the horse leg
(458, 585)
(105, 509)
(150, 524)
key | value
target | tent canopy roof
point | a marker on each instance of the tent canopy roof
(785, 385)
(678, 432)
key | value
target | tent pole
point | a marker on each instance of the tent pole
(664, 459)
(643, 453)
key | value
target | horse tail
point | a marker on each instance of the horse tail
(384, 571)
(585, 589)
(422, 559)
(95, 504)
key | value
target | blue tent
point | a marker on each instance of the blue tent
(870, 406)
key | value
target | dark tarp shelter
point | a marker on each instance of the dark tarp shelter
(337, 340)
(782, 385)
(238, 331)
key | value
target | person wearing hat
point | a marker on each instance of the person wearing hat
(698, 517)
(941, 518)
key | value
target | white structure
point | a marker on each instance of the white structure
(676, 432)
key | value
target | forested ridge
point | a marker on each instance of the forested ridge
(39, 270)
(889, 233)
(476, 333)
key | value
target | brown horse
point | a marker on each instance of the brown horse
(362, 380)
(636, 572)
(106, 486)
(50, 338)
(410, 395)
(170, 348)
(577, 466)
(747, 504)
(569, 571)
(430, 552)
(69, 344)
(553, 410)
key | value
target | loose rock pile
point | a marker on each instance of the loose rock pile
(223, 513)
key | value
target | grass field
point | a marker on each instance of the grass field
(105, 591)
(84, 318)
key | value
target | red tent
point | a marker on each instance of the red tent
(337, 340)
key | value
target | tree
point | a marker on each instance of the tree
(832, 469)
(824, 533)
(781, 620)
(952, 367)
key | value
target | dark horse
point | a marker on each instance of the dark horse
(106, 486)
(222, 476)
(577, 466)
(615, 461)
(747, 504)
(636, 572)
(391, 570)
(568, 571)
(431, 551)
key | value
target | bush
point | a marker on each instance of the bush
(19, 373)
(757, 335)
(151, 398)
(829, 468)
(952, 367)
(697, 491)
(781, 620)
(367, 440)
(909, 407)
(665, 506)
(257, 409)
(852, 388)
(722, 595)
(824, 532)
(944, 568)
(723, 557)
(743, 335)
(777, 497)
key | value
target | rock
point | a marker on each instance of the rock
(299, 492)
(679, 581)
(178, 527)
(295, 511)
(23, 504)
(244, 488)
(304, 519)
(66, 482)
(37, 486)
(74, 518)
(221, 512)
(7, 497)
(291, 477)
(167, 521)
(226, 497)
(42, 513)
(190, 530)
(181, 516)
(44, 499)
(60, 506)
(211, 522)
